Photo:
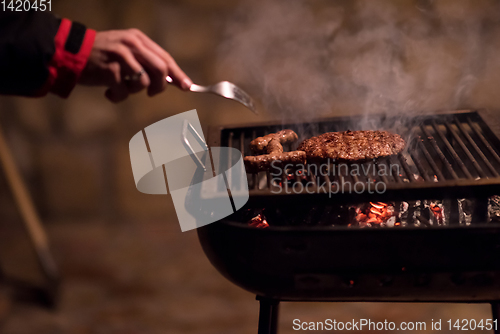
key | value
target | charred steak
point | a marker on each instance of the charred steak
(352, 145)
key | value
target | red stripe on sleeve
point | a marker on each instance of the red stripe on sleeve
(65, 68)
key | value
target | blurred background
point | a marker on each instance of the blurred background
(125, 265)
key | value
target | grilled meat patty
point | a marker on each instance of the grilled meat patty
(352, 146)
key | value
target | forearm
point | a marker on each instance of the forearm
(41, 53)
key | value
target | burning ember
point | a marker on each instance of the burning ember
(494, 209)
(438, 213)
(419, 213)
(297, 175)
(376, 214)
(258, 221)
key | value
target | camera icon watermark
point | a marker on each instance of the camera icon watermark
(206, 183)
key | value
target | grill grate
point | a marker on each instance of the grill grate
(448, 155)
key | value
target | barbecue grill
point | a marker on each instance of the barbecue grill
(311, 252)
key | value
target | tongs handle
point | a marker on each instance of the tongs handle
(185, 126)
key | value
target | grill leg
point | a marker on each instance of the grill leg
(495, 310)
(268, 315)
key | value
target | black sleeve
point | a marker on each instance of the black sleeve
(26, 48)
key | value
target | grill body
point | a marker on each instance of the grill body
(334, 264)
(450, 155)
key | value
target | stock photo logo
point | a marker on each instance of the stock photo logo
(206, 183)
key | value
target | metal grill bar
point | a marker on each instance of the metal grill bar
(429, 159)
(451, 150)
(355, 178)
(485, 142)
(408, 172)
(383, 177)
(284, 182)
(312, 178)
(476, 148)
(439, 152)
(420, 168)
(327, 178)
(466, 150)
(397, 177)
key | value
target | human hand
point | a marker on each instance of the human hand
(127, 61)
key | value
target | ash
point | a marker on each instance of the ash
(494, 209)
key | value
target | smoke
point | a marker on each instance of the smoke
(309, 59)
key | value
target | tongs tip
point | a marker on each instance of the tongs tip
(253, 109)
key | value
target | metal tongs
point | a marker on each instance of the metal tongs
(188, 126)
(225, 89)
